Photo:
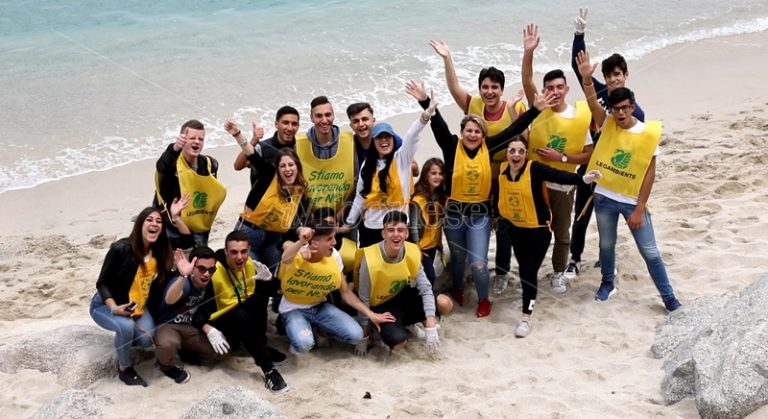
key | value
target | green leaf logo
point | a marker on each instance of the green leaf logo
(396, 287)
(557, 142)
(473, 175)
(621, 158)
(199, 199)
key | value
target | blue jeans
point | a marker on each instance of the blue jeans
(127, 329)
(325, 317)
(468, 238)
(607, 212)
(264, 245)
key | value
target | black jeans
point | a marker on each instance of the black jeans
(408, 308)
(247, 324)
(530, 246)
(579, 227)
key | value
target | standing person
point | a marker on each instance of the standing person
(626, 154)
(129, 268)
(237, 314)
(385, 181)
(286, 126)
(182, 169)
(615, 74)
(391, 280)
(273, 202)
(497, 115)
(308, 273)
(178, 301)
(524, 207)
(468, 178)
(426, 214)
(559, 138)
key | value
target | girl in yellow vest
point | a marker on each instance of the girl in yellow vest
(426, 213)
(123, 286)
(468, 179)
(524, 208)
(273, 202)
(385, 181)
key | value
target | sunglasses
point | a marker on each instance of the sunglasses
(203, 269)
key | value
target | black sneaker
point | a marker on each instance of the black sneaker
(177, 374)
(129, 376)
(274, 382)
(278, 358)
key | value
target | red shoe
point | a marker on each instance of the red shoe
(483, 308)
(458, 296)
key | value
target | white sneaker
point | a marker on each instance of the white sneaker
(500, 283)
(523, 328)
(417, 331)
(558, 283)
(572, 270)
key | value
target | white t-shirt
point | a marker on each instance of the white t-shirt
(568, 113)
(638, 128)
(286, 306)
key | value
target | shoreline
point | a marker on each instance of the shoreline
(582, 359)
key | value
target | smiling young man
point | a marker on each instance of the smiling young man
(182, 169)
(626, 155)
(392, 280)
(559, 138)
(286, 127)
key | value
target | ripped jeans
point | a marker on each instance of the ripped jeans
(468, 237)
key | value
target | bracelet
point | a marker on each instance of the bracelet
(237, 133)
(586, 85)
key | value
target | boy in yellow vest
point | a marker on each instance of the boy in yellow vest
(626, 155)
(392, 280)
(308, 273)
(182, 169)
(559, 138)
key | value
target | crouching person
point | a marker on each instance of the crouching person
(308, 273)
(236, 313)
(391, 279)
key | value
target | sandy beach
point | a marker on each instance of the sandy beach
(583, 358)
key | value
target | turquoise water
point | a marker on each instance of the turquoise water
(91, 85)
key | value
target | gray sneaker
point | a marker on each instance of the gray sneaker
(500, 283)
(558, 283)
(523, 328)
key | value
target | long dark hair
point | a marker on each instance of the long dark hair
(300, 182)
(435, 199)
(161, 248)
(369, 169)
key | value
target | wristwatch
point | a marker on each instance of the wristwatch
(564, 158)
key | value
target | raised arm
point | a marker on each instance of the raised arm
(580, 24)
(586, 69)
(530, 42)
(241, 161)
(234, 130)
(445, 140)
(459, 93)
(500, 140)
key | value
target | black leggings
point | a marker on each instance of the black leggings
(530, 246)
(579, 228)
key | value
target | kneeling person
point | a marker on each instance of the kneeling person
(392, 280)
(308, 273)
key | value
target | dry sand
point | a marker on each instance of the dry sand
(583, 358)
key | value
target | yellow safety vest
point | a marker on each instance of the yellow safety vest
(388, 279)
(347, 251)
(305, 282)
(393, 198)
(273, 212)
(471, 180)
(330, 180)
(432, 234)
(477, 107)
(623, 157)
(206, 191)
(565, 135)
(139, 291)
(232, 288)
(516, 199)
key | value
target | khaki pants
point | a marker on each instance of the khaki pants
(171, 337)
(561, 204)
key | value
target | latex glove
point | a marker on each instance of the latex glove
(433, 340)
(430, 111)
(218, 341)
(580, 23)
(361, 348)
(592, 176)
(262, 272)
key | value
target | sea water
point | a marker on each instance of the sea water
(91, 85)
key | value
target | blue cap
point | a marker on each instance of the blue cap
(381, 128)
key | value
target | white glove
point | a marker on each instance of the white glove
(430, 111)
(592, 176)
(433, 340)
(361, 348)
(262, 272)
(580, 23)
(218, 341)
